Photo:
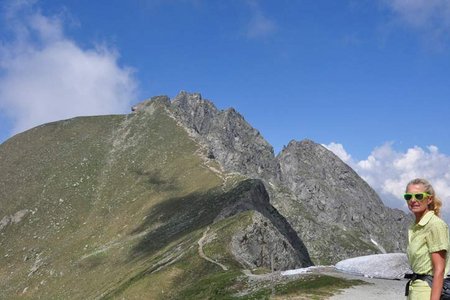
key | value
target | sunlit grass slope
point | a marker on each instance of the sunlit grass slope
(113, 207)
(92, 189)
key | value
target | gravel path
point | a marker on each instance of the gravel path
(376, 289)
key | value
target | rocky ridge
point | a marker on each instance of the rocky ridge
(326, 202)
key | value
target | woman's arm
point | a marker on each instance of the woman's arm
(438, 260)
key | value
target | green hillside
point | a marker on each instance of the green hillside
(116, 207)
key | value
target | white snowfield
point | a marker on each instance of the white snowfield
(385, 266)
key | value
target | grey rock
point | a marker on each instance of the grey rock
(13, 219)
(18, 216)
(270, 241)
(5, 222)
(342, 204)
(262, 245)
(229, 138)
(330, 188)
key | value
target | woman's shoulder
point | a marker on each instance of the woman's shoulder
(437, 221)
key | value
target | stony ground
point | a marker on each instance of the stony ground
(376, 289)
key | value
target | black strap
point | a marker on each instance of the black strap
(414, 276)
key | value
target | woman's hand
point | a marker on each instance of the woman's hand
(438, 260)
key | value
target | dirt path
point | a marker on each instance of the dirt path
(202, 254)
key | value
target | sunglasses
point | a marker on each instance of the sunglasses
(418, 196)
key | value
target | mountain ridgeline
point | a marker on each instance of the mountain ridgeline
(173, 197)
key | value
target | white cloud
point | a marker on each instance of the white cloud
(45, 76)
(431, 17)
(422, 12)
(260, 26)
(388, 171)
(339, 150)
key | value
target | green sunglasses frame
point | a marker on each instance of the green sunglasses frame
(414, 195)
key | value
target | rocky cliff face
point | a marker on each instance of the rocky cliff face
(340, 202)
(327, 203)
(270, 241)
(228, 137)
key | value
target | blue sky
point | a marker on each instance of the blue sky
(368, 79)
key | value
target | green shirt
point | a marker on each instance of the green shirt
(428, 236)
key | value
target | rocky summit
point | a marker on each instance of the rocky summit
(176, 200)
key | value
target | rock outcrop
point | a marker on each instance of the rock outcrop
(13, 219)
(270, 241)
(261, 244)
(228, 137)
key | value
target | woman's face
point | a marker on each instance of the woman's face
(418, 207)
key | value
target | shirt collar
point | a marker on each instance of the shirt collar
(426, 218)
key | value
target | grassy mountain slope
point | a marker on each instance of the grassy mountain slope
(87, 187)
(117, 207)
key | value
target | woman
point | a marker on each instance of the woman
(428, 241)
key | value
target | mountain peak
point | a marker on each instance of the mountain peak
(234, 143)
(193, 103)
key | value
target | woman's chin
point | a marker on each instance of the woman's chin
(417, 210)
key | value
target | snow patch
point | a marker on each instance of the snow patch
(299, 271)
(387, 266)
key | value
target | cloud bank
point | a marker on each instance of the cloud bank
(45, 76)
(388, 171)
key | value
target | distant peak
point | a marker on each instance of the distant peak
(192, 101)
(185, 96)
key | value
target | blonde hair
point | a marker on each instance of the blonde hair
(436, 203)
